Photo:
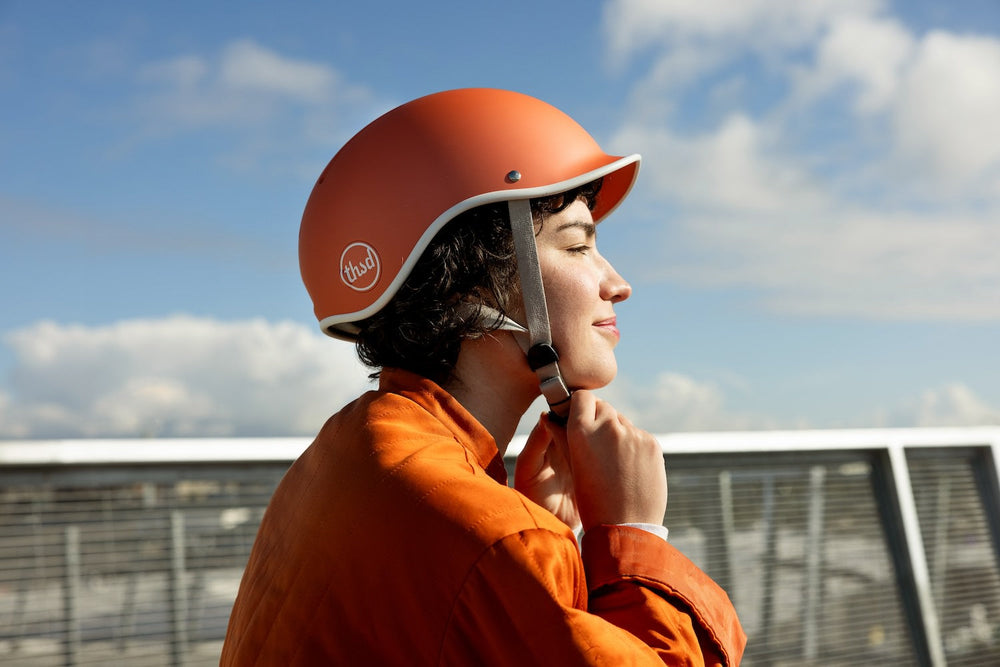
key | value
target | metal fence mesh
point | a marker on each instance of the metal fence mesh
(139, 564)
(140, 572)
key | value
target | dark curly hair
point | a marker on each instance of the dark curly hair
(472, 259)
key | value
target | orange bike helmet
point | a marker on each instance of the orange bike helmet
(398, 181)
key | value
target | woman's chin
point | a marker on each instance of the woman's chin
(591, 381)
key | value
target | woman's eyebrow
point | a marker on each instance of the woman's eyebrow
(588, 227)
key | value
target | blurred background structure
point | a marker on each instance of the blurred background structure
(812, 244)
(864, 547)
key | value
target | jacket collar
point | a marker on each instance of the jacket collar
(450, 413)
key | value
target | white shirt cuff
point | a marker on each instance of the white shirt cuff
(654, 528)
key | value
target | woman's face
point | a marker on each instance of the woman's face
(581, 288)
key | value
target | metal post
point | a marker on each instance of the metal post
(19, 620)
(728, 525)
(814, 564)
(178, 592)
(71, 597)
(942, 521)
(919, 579)
(712, 522)
(770, 562)
(986, 471)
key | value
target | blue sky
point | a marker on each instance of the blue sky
(813, 241)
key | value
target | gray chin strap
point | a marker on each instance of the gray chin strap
(542, 356)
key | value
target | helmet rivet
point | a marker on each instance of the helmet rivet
(513, 176)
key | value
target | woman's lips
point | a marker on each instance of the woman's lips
(609, 325)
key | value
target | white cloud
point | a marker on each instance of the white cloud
(670, 402)
(187, 376)
(634, 25)
(247, 86)
(186, 91)
(939, 95)
(267, 112)
(247, 66)
(738, 167)
(866, 51)
(176, 376)
(867, 186)
(953, 404)
(675, 403)
(184, 376)
(861, 263)
(244, 66)
(945, 117)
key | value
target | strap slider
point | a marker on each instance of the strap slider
(542, 354)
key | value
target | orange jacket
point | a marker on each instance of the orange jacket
(394, 540)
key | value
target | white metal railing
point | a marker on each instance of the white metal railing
(874, 546)
(112, 451)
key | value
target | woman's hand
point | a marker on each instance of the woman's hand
(599, 469)
(543, 472)
(617, 468)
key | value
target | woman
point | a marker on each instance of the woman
(454, 240)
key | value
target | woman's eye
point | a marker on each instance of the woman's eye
(579, 249)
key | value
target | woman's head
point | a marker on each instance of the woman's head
(470, 263)
(386, 224)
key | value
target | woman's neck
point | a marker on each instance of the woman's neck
(493, 382)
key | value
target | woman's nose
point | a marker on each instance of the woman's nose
(614, 288)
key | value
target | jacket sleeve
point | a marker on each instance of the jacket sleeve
(527, 601)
